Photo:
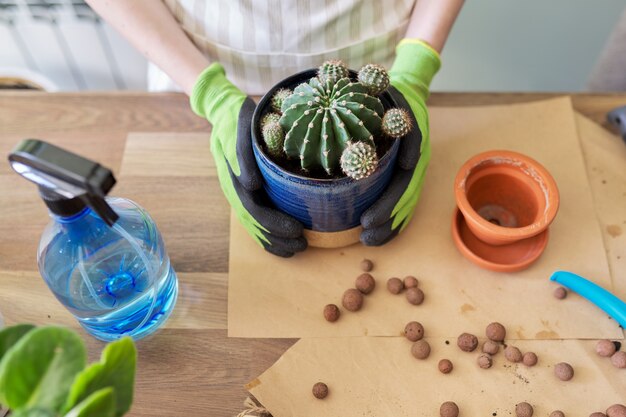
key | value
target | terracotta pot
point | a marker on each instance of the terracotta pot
(505, 197)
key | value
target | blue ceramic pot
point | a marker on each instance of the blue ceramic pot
(322, 205)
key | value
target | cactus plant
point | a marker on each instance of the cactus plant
(374, 78)
(396, 123)
(333, 123)
(276, 102)
(359, 160)
(322, 119)
(274, 138)
(269, 118)
(332, 71)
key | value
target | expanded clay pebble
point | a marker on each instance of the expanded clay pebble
(367, 265)
(415, 296)
(410, 282)
(484, 361)
(352, 300)
(331, 313)
(605, 348)
(320, 390)
(395, 286)
(414, 331)
(496, 332)
(365, 283)
(467, 342)
(529, 359)
(449, 409)
(616, 410)
(491, 347)
(524, 410)
(560, 293)
(564, 371)
(420, 349)
(445, 366)
(557, 413)
(619, 359)
(512, 354)
(597, 414)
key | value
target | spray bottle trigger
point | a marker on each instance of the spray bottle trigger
(67, 182)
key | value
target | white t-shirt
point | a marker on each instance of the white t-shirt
(260, 42)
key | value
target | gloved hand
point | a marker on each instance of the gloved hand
(230, 112)
(415, 65)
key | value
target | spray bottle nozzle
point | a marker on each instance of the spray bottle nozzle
(67, 182)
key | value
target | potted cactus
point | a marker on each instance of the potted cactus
(326, 143)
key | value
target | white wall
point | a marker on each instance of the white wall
(64, 41)
(496, 45)
(526, 45)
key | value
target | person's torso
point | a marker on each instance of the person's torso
(260, 42)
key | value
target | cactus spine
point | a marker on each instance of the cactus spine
(374, 78)
(322, 119)
(359, 160)
(396, 123)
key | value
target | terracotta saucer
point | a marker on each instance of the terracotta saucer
(505, 258)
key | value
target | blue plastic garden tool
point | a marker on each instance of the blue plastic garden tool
(602, 298)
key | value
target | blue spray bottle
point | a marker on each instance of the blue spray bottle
(102, 257)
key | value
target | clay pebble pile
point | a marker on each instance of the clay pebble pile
(495, 332)
(353, 298)
(409, 285)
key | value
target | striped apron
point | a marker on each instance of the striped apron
(260, 42)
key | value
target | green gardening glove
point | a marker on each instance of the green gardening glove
(230, 112)
(415, 66)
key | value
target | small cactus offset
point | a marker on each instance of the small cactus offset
(396, 123)
(276, 102)
(332, 71)
(269, 118)
(321, 119)
(359, 160)
(274, 138)
(374, 78)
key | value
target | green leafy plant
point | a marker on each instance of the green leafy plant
(44, 373)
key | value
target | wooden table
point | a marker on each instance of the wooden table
(182, 371)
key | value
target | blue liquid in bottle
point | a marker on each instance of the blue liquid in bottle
(117, 281)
